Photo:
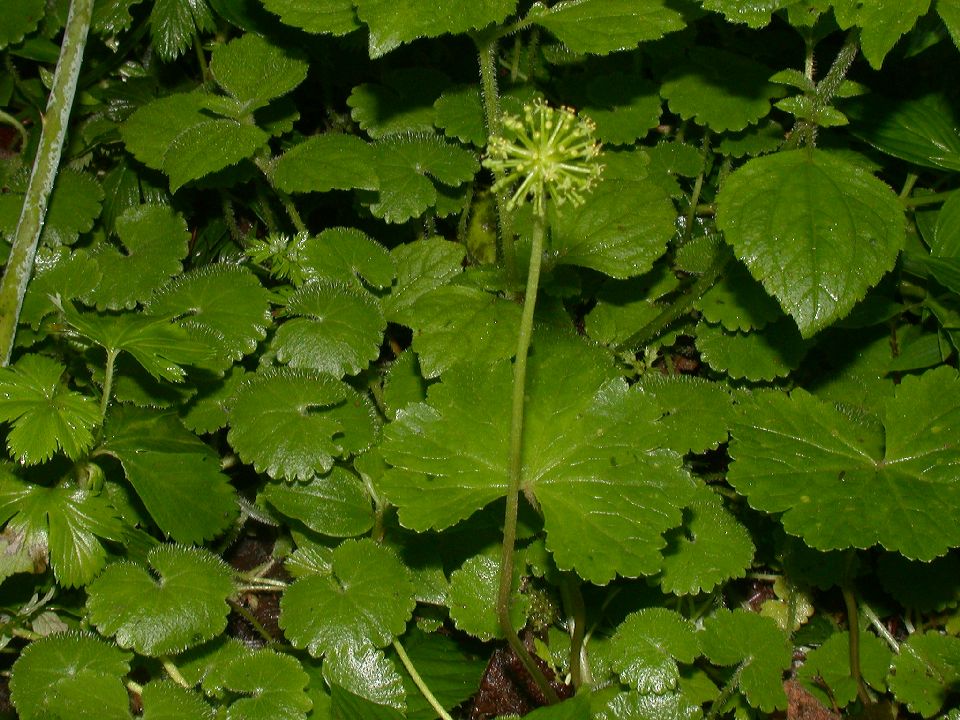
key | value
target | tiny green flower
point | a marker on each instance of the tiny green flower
(550, 152)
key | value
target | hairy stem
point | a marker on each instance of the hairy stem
(725, 694)
(245, 613)
(108, 383)
(697, 188)
(19, 268)
(505, 591)
(853, 626)
(421, 685)
(266, 167)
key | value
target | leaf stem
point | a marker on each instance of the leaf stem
(266, 167)
(19, 268)
(573, 602)
(505, 590)
(245, 613)
(8, 119)
(697, 188)
(853, 626)
(421, 685)
(108, 383)
(716, 706)
(880, 627)
(931, 199)
(174, 672)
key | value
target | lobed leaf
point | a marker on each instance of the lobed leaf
(401, 102)
(646, 647)
(174, 24)
(764, 354)
(422, 266)
(345, 255)
(828, 667)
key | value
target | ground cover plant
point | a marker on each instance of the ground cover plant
(370, 359)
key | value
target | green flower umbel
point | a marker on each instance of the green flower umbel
(550, 152)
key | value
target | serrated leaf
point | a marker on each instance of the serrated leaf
(393, 22)
(44, 415)
(337, 504)
(946, 235)
(165, 700)
(364, 671)
(345, 254)
(177, 476)
(922, 131)
(755, 13)
(841, 483)
(472, 598)
(73, 207)
(185, 605)
(710, 548)
(451, 673)
(335, 329)
(758, 647)
(21, 18)
(255, 71)
(828, 667)
(927, 667)
(719, 89)
(621, 229)
(330, 161)
(605, 26)
(333, 17)
(759, 355)
(816, 231)
(154, 241)
(75, 674)
(69, 523)
(405, 165)
(646, 647)
(275, 686)
(402, 102)
(422, 266)
(443, 317)
(220, 305)
(881, 23)
(459, 112)
(291, 424)
(738, 302)
(606, 489)
(67, 273)
(209, 409)
(174, 24)
(112, 17)
(365, 600)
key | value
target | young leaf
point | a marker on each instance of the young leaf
(69, 523)
(760, 650)
(815, 230)
(177, 477)
(174, 24)
(254, 71)
(336, 329)
(330, 161)
(646, 647)
(74, 671)
(605, 26)
(592, 458)
(154, 242)
(366, 599)
(337, 504)
(927, 667)
(393, 22)
(333, 17)
(841, 483)
(165, 700)
(719, 89)
(45, 416)
(184, 606)
(291, 424)
(219, 305)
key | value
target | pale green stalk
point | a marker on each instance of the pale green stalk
(19, 267)
(421, 685)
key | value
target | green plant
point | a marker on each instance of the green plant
(287, 433)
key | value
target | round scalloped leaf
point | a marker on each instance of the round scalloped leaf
(393, 22)
(332, 17)
(331, 161)
(401, 102)
(592, 457)
(44, 415)
(843, 483)
(21, 18)
(925, 671)
(74, 206)
(367, 598)
(76, 673)
(828, 667)
(719, 89)
(337, 504)
(220, 305)
(421, 266)
(923, 586)
(254, 71)
(815, 230)
(184, 605)
(369, 677)
(67, 522)
(738, 302)
(758, 647)
(165, 700)
(343, 254)
(605, 26)
(337, 329)
(646, 647)
(696, 413)
(209, 410)
(154, 240)
(759, 355)
(710, 548)
(275, 686)
(65, 272)
(621, 229)
(291, 424)
(472, 598)
(403, 164)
